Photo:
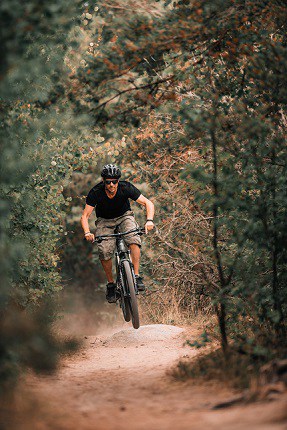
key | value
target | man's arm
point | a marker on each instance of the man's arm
(149, 225)
(85, 222)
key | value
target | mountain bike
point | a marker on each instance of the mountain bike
(126, 287)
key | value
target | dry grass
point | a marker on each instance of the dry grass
(234, 370)
(167, 307)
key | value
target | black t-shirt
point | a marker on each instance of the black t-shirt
(115, 207)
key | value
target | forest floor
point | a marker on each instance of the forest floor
(121, 379)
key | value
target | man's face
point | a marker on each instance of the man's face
(111, 184)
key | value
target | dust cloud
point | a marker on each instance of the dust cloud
(85, 312)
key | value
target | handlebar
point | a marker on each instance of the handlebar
(140, 231)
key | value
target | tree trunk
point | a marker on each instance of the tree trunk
(220, 308)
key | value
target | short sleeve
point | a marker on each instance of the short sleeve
(91, 199)
(133, 192)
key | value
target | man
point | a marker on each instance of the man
(111, 197)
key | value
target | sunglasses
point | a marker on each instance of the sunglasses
(111, 181)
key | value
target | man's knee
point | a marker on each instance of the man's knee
(106, 250)
(136, 240)
(135, 245)
(105, 257)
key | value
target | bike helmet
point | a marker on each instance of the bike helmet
(111, 171)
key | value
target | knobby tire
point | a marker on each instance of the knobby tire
(125, 308)
(124, 301)
(132, 299)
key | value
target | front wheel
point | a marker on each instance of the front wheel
(132, 298)
(125, 306)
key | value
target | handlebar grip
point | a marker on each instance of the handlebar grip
(98, 239)
(86, 240)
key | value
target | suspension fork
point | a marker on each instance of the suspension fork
(120, 257)
(123, 254)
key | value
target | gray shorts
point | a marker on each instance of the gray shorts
(126, 222)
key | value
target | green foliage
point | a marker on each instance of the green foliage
(40, 150)
(27, 341)
(202, 340)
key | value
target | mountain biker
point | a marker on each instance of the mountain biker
(110, 198)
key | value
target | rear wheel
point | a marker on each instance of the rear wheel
(132, 299)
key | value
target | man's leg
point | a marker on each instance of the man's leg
(135, 255)
(106, 247)
(108, 268)
(111, 286)
(106, 250)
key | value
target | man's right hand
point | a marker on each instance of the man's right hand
(149, 225)
(90, 237)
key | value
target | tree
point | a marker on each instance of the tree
(40, 151)
(213, 73)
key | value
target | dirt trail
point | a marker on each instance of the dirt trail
(120, 381)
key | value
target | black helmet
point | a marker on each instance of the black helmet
(111, 171)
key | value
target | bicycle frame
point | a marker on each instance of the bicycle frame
(122, 254)
(126, 282)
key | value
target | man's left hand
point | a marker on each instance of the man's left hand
(149, 225)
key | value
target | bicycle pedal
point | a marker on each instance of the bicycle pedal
(112, 300)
